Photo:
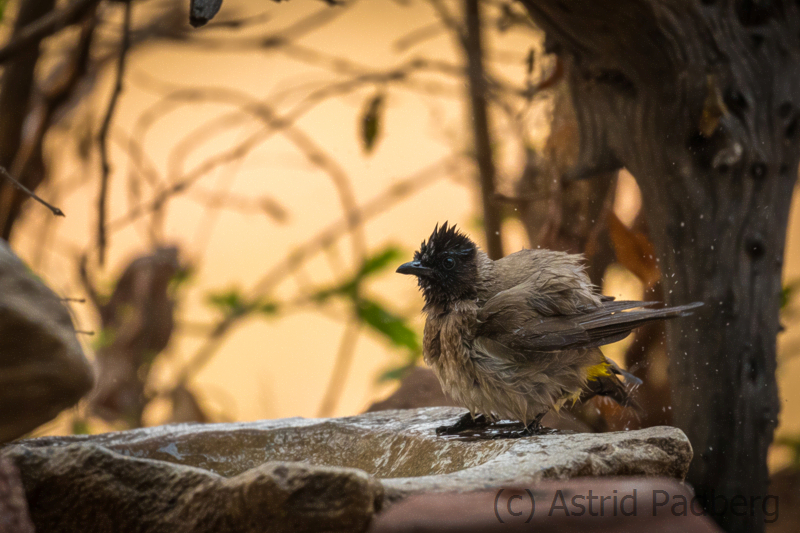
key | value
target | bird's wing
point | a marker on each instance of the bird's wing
(523, 332)
(555, 283)
(544, 293)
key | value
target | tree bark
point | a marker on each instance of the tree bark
(15, 96)
(700, 100)
(473, 49)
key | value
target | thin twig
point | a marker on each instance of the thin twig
(247, 107)
(103, 134)
(88, 285)
(56, 211)
(275, 123)
(344, 357)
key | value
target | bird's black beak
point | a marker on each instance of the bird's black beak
(415, 268)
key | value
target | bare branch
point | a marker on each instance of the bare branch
(88, 284)
(223, 199)
(313, 152)
(56, 211)
(103, 134)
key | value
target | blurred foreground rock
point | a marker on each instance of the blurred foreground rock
(88, 488)
(599, 505)
(248, 476)
(42, 366)
(13, 508)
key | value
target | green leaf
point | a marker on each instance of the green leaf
(231, 303)
(379, 261)
(372, 265)
(389, 325)
(3, 4)
(371, 122)
(228, 302)
(268, 308)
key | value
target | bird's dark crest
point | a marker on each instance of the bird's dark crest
(450, 257)
(445, 239)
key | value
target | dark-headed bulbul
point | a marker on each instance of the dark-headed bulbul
(513, 338)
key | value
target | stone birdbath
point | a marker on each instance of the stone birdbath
(304, 474)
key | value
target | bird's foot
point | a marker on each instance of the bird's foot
(532, 429)
(464, 423)
(522, 433)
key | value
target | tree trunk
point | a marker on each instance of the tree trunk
(17, 89)
(473, 49)
(701, 102)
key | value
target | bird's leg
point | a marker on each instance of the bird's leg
(535, 427)
(464, 423)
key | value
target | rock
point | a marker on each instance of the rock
(605, 505)
(87, 488)
(42, 366)
(13, 508)
(142, 477)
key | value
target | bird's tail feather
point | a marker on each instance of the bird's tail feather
(606, 327)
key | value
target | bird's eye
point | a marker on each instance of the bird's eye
(448, 263)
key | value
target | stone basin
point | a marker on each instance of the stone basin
(398, 446)
(370, 459)
(376, 444)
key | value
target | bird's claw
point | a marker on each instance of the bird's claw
(448, 430)
(464, 423)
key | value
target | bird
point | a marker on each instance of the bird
(513, 338)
